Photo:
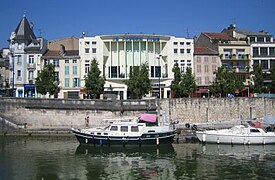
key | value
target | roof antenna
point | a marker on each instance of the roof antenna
(187, 33)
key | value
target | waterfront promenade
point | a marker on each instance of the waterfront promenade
(23, 114)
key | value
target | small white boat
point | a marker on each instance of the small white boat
(144, 131)
(249, 133)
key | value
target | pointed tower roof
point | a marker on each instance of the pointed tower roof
(24, 32)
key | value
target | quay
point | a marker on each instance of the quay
(33, 116)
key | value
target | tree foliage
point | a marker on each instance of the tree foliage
(225, 83)
(183, 85)
(139, 83)
(94, 83)
(258, 79)
(45, 81)
(272, 75)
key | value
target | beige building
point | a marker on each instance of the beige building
(234, 53)
(206, 62)
(67, 70)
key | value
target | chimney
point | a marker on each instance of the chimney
(62, 49)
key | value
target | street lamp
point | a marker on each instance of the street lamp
(159, 73)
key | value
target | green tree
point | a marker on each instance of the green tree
(272, 74)
(175, 85)
(258, 79)
(45, 81)
(94, 83)
(139, 83)
(187, 84)
(225, 83)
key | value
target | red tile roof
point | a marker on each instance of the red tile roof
(56, 54)
(221, 36)
(205, 50)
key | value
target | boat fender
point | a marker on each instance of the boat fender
(187, 125)
(194, 127)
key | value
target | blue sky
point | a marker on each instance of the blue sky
(63, 18)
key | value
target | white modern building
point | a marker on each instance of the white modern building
(118, 54)
(25, 53)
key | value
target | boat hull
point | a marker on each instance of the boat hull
(145, 139)
(213, 137)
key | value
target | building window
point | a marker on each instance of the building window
(87, 68)
(31, 75)
(87, 50)
(214, 68)
(153, 71)
(182, 43)
(206, 80)
(76, 82)
(93, 42)
(206, 59)
(67, 82)
(271, 51)
(74, 70)
(31, 59)
(175, 61)
(198, 68)
(115, 71)
(175, 43)
(264, 64)
(19, 60)
(198, 59)
(188, 51)
(67, 70)
(267, 39)
(260, 39)
(198, 80)
(227, 53)
(56, 62)
(175, 51)
(263, 51)
(74, 61)
(93, 50)
(255, 51)
(46, 61)
(188, 43)
(87, 43)
(182, 51)
(67, 61)
(206, 68)
(213, 59)
(56, 76)
(252, 39)
(18, 73)
(157, 71)
(182, 61)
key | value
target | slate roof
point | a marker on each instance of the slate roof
(23, 32)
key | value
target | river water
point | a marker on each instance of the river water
(62, 158)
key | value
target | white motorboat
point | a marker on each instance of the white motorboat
(250, 133)
(144, 131)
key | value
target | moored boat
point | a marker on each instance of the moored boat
(142, 131)
(249, 133)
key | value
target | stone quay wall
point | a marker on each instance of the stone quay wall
(39, 114)
(203, 110)
(31, 114)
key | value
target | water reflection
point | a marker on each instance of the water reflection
(122, 163)
(64, 158)
(259, 152)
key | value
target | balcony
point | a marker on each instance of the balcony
(31, 66)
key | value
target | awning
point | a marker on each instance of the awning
(151, 118)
